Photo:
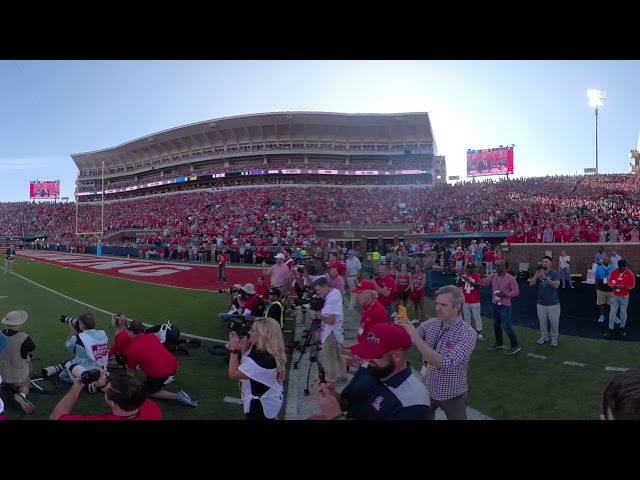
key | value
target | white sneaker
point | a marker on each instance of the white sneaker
(554, 342)
(480, 336)
(543, 340)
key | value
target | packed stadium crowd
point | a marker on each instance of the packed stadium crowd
(555, 208)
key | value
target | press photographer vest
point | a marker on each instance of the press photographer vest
(14, 368)
(96, 348)
(279, 320)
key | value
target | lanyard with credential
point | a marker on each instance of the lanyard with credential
(425, 365)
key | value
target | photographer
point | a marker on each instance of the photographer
(234, 304)
(250, 303)
(275, 309)
(89, 345)
(259, 361)
(169, 336)
(15, 358)
(117, 354)
(124, 395)
(156, 363)
(331, 330)
(548, 306)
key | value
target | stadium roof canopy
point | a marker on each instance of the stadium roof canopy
(265, 127)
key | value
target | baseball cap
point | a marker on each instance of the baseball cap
(280, 255)
(350, 252)
(274, 291)
(622, 263)
(382, 339)
(364, 285)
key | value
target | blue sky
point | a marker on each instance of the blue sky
(51, 109)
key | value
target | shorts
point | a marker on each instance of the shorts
(154, 385)
(603, 298)
(417, 295)
(25, 383)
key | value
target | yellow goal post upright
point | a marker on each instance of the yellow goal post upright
(100, 233)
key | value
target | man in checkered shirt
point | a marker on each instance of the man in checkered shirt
(446, 344)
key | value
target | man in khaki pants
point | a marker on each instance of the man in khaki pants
(331, 330)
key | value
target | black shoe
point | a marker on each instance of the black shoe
(623, 332)
(608, 333)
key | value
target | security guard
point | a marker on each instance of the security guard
(275, 309)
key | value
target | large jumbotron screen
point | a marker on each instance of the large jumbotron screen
(44, 189)
(490, 161)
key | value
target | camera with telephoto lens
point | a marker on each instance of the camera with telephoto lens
(69, 321)
(87, 376)
(240, 325)
(231, 290)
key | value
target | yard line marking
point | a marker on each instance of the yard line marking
(93, 307)
(616, 369)
(535, 355)
(575, 364)
(237, 401)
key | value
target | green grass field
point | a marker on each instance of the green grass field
(200, 374)
(501, 386)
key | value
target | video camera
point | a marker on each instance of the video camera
(240, 325)
(69, 321)
(309, 300)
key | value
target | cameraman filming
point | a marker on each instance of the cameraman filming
(331, 330)
(89, 345)
(124, 395)
(258, 361)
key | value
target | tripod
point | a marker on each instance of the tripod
(309, 340)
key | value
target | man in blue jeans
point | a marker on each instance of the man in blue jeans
(504, 288)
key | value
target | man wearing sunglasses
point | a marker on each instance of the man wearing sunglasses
(383, 390)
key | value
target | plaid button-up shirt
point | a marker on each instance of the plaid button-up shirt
(455, 342)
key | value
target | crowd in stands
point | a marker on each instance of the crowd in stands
(559, 208)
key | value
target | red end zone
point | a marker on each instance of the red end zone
(172, 274)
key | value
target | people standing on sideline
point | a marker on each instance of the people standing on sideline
(599, 256)
(470, 285)
(614, 259)
(9, 256)
(622, 280)
(504, 287)
(604, 292)
(565, 269)
(446, 344)
(548, 306)
(354, 268)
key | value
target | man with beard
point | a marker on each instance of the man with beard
(385, 389)
(446, 344)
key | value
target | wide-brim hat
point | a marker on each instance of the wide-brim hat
(249, 288)
(15, 318)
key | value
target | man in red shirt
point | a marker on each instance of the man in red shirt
(621, 280)
(373, 312)
(385, 286)
(222, 267)
(471, 292)
(124, 395)
(155, 362)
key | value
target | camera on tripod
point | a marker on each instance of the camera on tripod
(69, 321)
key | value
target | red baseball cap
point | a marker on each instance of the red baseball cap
(382, 339)
(364, 285)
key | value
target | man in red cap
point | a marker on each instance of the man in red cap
(385, 389)
(372, 312)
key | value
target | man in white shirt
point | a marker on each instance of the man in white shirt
(331, 330)
(354, 267)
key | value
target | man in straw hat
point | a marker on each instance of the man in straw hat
(15, 361)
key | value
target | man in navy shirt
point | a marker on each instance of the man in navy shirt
(8, 263)
(385, 389)
(548, 306)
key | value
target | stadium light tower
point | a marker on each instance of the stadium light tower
(596, 100)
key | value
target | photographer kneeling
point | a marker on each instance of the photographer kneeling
(125, 396)
(89, 345)
(234, 306)
(258, 361)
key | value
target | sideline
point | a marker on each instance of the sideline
(93, 307)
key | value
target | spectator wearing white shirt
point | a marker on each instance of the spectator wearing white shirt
(331, 330)
(614, 258)
(565, 269)
(354, 267)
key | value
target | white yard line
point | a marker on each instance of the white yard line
(575, 364)
(535, 355)
(616, 369)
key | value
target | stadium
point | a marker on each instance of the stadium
(152, 216)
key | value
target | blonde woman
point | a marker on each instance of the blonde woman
(258, 362)
(121, 342)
